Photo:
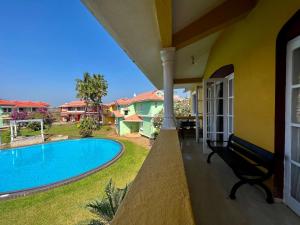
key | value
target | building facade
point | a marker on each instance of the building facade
(73, 111)
(9, 106)
(240, 59)
(136, 115)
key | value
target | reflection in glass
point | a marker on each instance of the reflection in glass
(295, 144)
(296, 66)
(296, 105)
(220, 124)
(230, 106)
(295, 182)
(219, 90)
(230, 87)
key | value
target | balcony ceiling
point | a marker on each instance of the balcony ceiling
(134, 25)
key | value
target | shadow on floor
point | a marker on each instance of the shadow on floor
(209, 186)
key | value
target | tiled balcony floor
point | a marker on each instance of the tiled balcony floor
(209, 186)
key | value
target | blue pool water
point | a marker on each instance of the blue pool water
(44, 164)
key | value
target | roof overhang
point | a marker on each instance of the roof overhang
(143, 27)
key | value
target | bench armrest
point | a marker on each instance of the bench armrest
(211, 143)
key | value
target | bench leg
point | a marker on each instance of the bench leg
(235, 187)
(269, 198)
(209, 156)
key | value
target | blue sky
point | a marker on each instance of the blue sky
(46, 45)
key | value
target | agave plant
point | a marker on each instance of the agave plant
(107, 207)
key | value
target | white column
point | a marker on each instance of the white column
(15, 130)
(42, 129)
(11, 132)
(197, 114)
(168, 62)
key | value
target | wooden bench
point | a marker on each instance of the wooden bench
(250, 163)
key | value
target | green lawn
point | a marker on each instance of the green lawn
(66, 204)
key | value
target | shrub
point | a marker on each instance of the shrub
(15, 115)
(35, 126)
(106, 209)
(42, 113)
(87, 126)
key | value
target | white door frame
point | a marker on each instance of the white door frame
(288, 199)
(214, 99)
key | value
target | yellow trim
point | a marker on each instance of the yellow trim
(164, 20)
(225, 14)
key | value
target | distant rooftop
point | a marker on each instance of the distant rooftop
(25, 104)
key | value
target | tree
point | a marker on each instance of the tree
(182, 108)
(82, 88)
(87, 126)
(91, 89)
(41, 113)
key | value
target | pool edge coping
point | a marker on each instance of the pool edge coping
(16, 194)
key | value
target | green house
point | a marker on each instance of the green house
(136, 115)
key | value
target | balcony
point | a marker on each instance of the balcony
(178, 187)
(209, 187)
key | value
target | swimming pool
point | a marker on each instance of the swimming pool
(42, 166)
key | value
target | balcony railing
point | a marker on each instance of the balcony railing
(159, 194)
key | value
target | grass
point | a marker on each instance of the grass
(66, 204)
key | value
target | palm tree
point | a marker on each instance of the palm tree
(83, 89)
(91, 89)
(107, 207)
(98, 90)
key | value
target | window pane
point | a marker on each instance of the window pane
(296, 105)
(220, 123)
(296, 66)
(230, 106)
(219, 106)
(210, 104)
(295, 145)
(230, 87)
(219, 90)
(209, 123)
(295, 182)
(209, 92)
(230, 125)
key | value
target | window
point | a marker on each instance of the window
(6, 110)
(194, 99)
(230, 104)
(125, 112)
(155, 104)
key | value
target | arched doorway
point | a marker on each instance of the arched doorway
(287, 168)
(218, 104)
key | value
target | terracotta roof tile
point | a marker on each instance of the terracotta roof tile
(147, 96)
(133, 118)
(77, 103)
(24, 103)
(118, 114)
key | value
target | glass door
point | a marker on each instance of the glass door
(292, 127)
(215, 110)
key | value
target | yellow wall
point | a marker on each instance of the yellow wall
(250, 46)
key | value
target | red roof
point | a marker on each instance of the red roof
(24, 104)
(123, 101)
(133, 118)
(118, 114)
(6, 102)
(147, 96)
(78, 103)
